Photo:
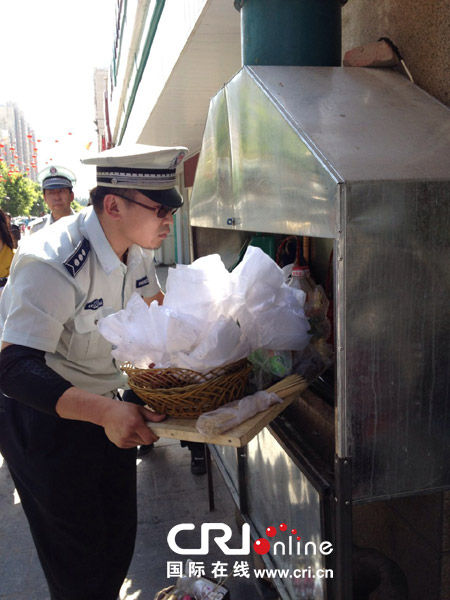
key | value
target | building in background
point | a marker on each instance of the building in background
(18, 149)
(101, 108)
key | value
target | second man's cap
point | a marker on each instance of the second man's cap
(53, 178)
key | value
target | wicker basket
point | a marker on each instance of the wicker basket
(187, 394)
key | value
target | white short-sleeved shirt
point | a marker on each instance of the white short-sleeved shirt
(62, 281)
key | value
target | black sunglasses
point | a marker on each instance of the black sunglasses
(161, 210)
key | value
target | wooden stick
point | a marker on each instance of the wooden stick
(288, 385)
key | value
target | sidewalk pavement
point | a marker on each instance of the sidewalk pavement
(168, 494)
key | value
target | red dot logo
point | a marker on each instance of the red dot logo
(261, 546)
(271, 531)
(293, 531)
(283, 527)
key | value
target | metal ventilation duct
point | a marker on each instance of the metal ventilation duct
(360, 156)
(282, 145)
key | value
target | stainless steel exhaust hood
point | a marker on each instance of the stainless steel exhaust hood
(362, 157)
(281, 145)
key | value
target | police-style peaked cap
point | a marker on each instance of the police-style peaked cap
(149, 169)
(53, 178)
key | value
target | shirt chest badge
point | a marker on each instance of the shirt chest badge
(94, 304)
(141, 282)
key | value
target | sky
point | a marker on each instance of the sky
(50, 49)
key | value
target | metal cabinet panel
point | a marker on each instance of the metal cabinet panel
(294, 501)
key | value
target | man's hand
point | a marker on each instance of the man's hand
(125, 425)
(159, 297)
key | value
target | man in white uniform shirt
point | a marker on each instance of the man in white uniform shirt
(57, 184)
(69, 443)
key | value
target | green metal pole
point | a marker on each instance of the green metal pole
(291, 32)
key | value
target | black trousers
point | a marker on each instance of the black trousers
(78, 491)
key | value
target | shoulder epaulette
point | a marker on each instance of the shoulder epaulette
(78, 257)
(37, 222)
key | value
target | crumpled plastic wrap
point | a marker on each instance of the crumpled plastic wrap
(211, 317)
(202, 289)
(236, 412)
(269, 311)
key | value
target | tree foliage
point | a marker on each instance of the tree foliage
(19, 195)
(76, 205)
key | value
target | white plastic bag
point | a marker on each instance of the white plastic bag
(222, 343)
(128, 331)
(232, 414)
(211, 317)
(270, 313)
(199, 289)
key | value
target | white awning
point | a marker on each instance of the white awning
(210, 58)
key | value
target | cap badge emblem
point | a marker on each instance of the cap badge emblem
(176, 161)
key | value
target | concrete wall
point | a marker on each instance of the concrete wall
(419, 28)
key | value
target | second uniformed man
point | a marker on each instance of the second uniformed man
(57, 184)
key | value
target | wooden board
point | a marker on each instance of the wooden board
(184, 429)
